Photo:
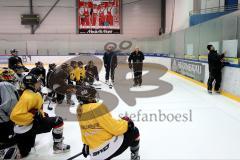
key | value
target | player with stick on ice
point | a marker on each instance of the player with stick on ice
(103, 136)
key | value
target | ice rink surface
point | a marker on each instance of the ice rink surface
(210, 129)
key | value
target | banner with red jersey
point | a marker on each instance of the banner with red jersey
(99, 16)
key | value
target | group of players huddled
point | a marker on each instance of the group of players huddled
(22, 116)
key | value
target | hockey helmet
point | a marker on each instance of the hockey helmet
(30, 80)
(73, 63)
(87, 94)
(52, 66)
(18, 67)
(7, 74)
(80, 63)
(13, 51)
(90, 63)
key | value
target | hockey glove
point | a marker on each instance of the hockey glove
(130, 66)
(45, 114)
(130, 122)
(85, 150)
(38, 117)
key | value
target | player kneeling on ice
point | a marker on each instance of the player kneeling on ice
(8, 99)
(30, 119)
(103, 136)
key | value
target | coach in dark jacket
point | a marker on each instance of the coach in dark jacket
(215, 62)
(135, 62)
(14, 60)
(110, 63)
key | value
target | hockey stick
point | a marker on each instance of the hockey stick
(50, 108)
(75, 156)
(50, 101)
(104, 83)
(92, 76)
(132, 75)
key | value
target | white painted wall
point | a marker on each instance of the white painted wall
(57, 34)
(139, 19)
(142, 18)
(181, 14)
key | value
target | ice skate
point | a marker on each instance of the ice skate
(209, 91)
(70, 102)
(60, 148)
(135, 156)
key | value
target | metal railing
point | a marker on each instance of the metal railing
(216, 10)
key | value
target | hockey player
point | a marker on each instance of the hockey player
(15, 60)
(102, 14)
(91, 72)
(8, 99)
(95, 21)
(39, 71)
(110, 14)
(80, 76)
(58, 82)
(82, 72)
(110, 63)
(137, 58)
(30, 120)
(75, 73)
(86, 15)
(103, 136)
(215, 62)
(51, 70)
(73, 77)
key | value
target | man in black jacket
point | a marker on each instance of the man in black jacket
(15, 60)
(137, 57)
(215, 62)
(110, 63)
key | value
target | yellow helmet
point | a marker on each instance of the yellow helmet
(7, 74)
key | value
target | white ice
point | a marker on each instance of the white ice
(213, 132)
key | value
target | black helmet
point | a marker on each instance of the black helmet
(73, 63)
(91, 63)
(13, 51)
(52, 66)
(86, 94)
(18, 68)
(38, 63)
(65, 66)
(80, 63)
(30, 80)
(209, 47)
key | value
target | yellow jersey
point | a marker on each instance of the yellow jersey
(78, 74)
(21, 113)
(97, 125)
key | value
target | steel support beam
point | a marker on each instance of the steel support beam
(46, 15)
